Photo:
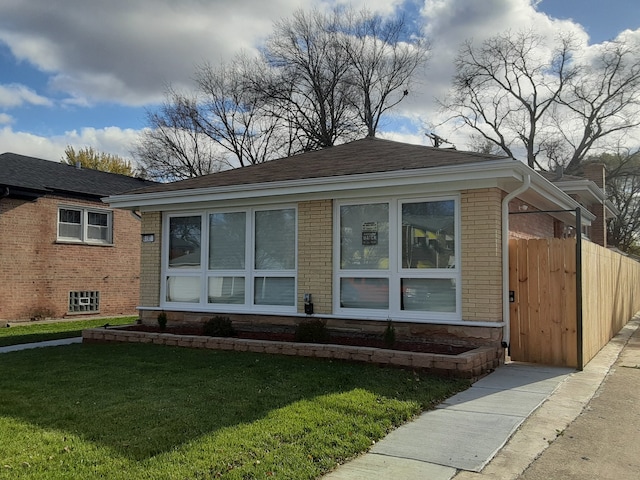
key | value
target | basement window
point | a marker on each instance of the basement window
(84, 302)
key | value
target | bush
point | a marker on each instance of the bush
(312, 331)
(162, 320)
(219, 327)
(389, 335)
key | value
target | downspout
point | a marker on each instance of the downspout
(506, 329)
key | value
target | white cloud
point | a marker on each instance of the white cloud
(112, 140)
(14, 95)
(5, 119)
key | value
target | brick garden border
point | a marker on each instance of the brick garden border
(471, 364)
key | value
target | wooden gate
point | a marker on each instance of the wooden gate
(542, 279)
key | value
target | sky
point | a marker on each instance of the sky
(86, 73)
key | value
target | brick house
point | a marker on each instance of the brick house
(62, 250)
(355, 235)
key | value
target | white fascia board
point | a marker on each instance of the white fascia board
(481, 174)
(506, 174)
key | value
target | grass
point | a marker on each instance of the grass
(123, 411)
(38, 332)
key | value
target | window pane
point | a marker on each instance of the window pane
(428, 233)
(98, 219)
(364, 293)
(227, 240)
(98, 226)
(183, 289)
(364, 237)
(184, 242)
(70, 224)
(275, 240)
(429, 294)
(274, 291)
(226, 290)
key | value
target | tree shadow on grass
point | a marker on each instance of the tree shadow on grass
(143, 400)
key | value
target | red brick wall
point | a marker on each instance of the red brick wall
(38, 273)
(528, 225)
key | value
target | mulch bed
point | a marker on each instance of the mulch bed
(358, 341)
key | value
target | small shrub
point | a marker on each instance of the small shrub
(219, 327)
(389, 335)
(162, 320)
(312, 331)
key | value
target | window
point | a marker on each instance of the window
(398, 258)
(84, 302)
(239, 260)
(84, 225)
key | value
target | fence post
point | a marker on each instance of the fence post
(579, 332)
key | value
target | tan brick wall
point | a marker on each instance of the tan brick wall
(38, 272)
(315, 244)
(481, 220)
(151, 260)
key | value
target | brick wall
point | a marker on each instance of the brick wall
(529, 225)
(39, 273)
(151, 260)
(481, 254)
(315, 244)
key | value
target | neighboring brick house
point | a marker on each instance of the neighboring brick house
(356, 235)
(62, 250)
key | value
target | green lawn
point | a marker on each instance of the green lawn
(139, 411)
(38, 332)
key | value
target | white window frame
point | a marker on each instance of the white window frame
(84, 225)
(395, 272)
(249, 272)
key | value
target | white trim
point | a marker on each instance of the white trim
(395, 273)
(203, 273)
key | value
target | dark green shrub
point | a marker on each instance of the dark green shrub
(312, 331)
(162, 320)
(219, 327)
(389, 335)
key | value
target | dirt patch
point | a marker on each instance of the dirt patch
(356, 341)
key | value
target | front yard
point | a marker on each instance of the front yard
(123, 411)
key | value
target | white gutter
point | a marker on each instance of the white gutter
(506, 320)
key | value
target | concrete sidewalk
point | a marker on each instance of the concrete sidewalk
(47, 343)
(496, 429)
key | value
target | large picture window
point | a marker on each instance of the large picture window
(398, 258)
(241, 259)
(84, 225)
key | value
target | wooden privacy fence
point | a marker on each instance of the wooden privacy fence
(544, 313)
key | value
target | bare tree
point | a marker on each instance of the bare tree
(381, 63)
(623, 190)
(504, 89)
(175, 146)
(322, 79)
(604, 100)
(308, 81)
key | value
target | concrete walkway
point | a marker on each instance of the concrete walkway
(495, 429)
(47, 343)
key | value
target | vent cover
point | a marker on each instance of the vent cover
(81, 302)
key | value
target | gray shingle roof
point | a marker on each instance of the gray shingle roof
(44, 176)
(369, 155)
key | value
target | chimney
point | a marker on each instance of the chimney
(596, 173)
(78, 165)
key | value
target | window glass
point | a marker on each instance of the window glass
(227, 239)
(98, 226)
(275, 240)
(274, 291)
(364, 237)
(428, 234)
(429, 294)
(364, 293)
(183, 289)
(226, 290)
(70, 223)
(184, 242)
